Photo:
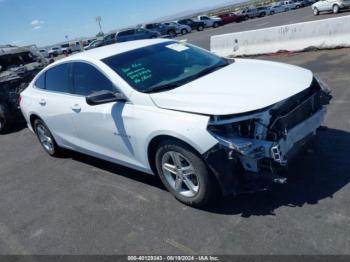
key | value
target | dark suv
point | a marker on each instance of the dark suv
(161, 28)
(135, 34)
(195, 25)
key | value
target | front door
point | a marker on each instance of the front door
(102, 130)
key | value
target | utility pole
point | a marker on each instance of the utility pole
(98, 20)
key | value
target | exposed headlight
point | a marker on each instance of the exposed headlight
(235, 135)
(244, 129)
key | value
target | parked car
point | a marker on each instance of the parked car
(195, 25)
(330, 6)
(109, 39)
(135, 34)
(231, 18)
(305, 3)
(262, 11)
(94, 44)
(74, 46)
(18, 66)
(210, 21)
(290, 5)
(163, 29)
(183, 29)
(66, 49)
(44, 53)
(55, 51)
(248, 13)
(277, 8)
(137, 105)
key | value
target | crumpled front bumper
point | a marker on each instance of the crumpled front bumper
(246, 165)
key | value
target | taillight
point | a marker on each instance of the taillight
(19, 99)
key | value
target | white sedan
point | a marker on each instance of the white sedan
(203, 123)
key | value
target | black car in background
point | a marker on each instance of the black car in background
(195, 25)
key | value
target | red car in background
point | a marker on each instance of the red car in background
(230, 18)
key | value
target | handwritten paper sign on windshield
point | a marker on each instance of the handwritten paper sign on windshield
(137, 73)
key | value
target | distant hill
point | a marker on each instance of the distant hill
(195, 12)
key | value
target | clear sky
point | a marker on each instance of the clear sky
(44, 22)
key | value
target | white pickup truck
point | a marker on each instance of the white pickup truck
(210, 21)
(330, 6)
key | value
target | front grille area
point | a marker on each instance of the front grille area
(297, 109)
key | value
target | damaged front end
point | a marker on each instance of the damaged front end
(254, 149)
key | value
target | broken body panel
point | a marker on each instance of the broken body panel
(18, 66)
(255, 147)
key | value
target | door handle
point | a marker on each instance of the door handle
(76, 108)
(42, 102)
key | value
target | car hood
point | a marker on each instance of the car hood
(243, 86)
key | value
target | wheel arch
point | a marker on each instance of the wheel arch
(156, 140)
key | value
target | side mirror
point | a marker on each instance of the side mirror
(104, 97)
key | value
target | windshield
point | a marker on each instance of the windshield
(163, 66)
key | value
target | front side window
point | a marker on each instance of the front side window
(88, 80)
(163, 66)
(57, 79)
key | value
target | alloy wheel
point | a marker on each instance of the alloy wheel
(45, 138)
(180, 174)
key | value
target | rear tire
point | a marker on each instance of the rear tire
(4, 120)
(172, 33)
(200, 28)
(336, 9)
(316, 12)
(184, 31)
(196, 188)
(46, 138)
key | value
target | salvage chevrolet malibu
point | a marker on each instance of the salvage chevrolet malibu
(203, 123)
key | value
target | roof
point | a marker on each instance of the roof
(114, 49)
(12, 50)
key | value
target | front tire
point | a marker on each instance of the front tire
(184, 173)
(216, 24)
(316, 12)
(184, 31)
(200, 28)
(336, 9)
(46, 139)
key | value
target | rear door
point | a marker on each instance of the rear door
(141, 33)
(54, 98)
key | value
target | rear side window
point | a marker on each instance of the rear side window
(88, 80)
(57, 79)
(40, 82)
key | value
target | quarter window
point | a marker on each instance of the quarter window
(40, 82)
(88, 80)
(57, 79)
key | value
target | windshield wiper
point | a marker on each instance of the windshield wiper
(209, 70)
(162, 87)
